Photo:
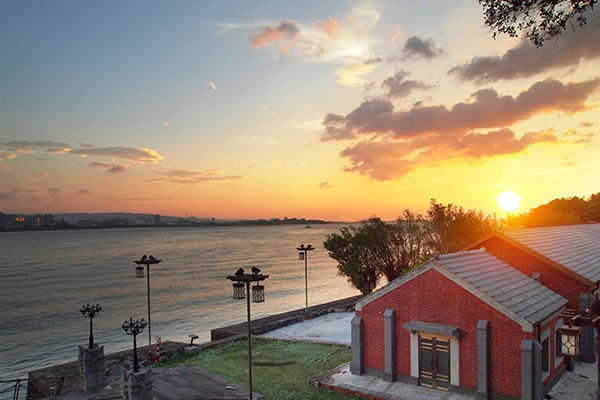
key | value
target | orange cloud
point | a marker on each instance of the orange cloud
(487, 109)
(329, 27)
(285, 36)
(142, 155)
(194, 177)
(393, 143)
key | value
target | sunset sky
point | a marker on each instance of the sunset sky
(337, 110)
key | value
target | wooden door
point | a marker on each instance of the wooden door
(434, 362)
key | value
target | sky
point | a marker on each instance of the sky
(336, 110)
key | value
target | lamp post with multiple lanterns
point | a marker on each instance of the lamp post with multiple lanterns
(90, 312)
(134, 328)
(139, 273)
(241, 279)
(303, 255)
(570, 334)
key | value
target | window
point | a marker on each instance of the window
(546, 354)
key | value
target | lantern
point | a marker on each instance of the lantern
(569, 340)
(258, 293)
(139, 271)
(238, 291)
(301, 256)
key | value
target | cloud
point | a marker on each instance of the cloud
(353, 75)
(31, 147)
(84, 192)
(194, 177)
(391, 143)
(325, 185)
(399, 86)
(343, 40)
(577, 137)
(525, 60)
(284, 36)
(387, 159)
(107, 167)
(416, 47)
(487, 109)
(142, 155)
(27, 195)
(53, 191)
(329, 27)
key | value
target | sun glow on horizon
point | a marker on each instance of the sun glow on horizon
(509, 201)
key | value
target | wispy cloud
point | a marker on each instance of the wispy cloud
(39, 146)
(142, 155)
(108, 167)
(195, 177)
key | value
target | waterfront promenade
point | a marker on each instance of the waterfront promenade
(330, 325)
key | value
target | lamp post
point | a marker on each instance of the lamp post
(134, 328)
(303, 255)
(90, 312)
(570, 333)
(139, 273)
(240, 279)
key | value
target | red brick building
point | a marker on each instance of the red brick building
(565, 259)
(466, 322)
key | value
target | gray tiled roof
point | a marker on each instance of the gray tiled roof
(503, 284)
(575, 247)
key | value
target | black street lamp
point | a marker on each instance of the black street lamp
(240, 279)
(303, 255)
(90, 312)
(134, 328)
(139, 273)
(570, 333)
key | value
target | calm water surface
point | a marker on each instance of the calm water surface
(46, 276)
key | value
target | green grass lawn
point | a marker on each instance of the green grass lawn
(280, 370)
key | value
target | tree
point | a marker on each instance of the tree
(350, 249)
(541, 20)
(376, 249)
(452, 228)
(563, 211)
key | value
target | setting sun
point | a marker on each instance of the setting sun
(509, 201)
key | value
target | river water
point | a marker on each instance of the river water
(46, 276)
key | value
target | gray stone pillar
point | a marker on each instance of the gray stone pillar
(91, 361)
(357, 363)
(389, 349)
(136, 385)
(483, 356)
(531, 370)
(588, 343)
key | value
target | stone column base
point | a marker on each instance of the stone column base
(136, 385)
(91, 361)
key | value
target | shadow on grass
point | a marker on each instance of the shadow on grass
(280, 369)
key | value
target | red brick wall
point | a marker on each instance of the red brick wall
(433, 298)
(550, 277)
